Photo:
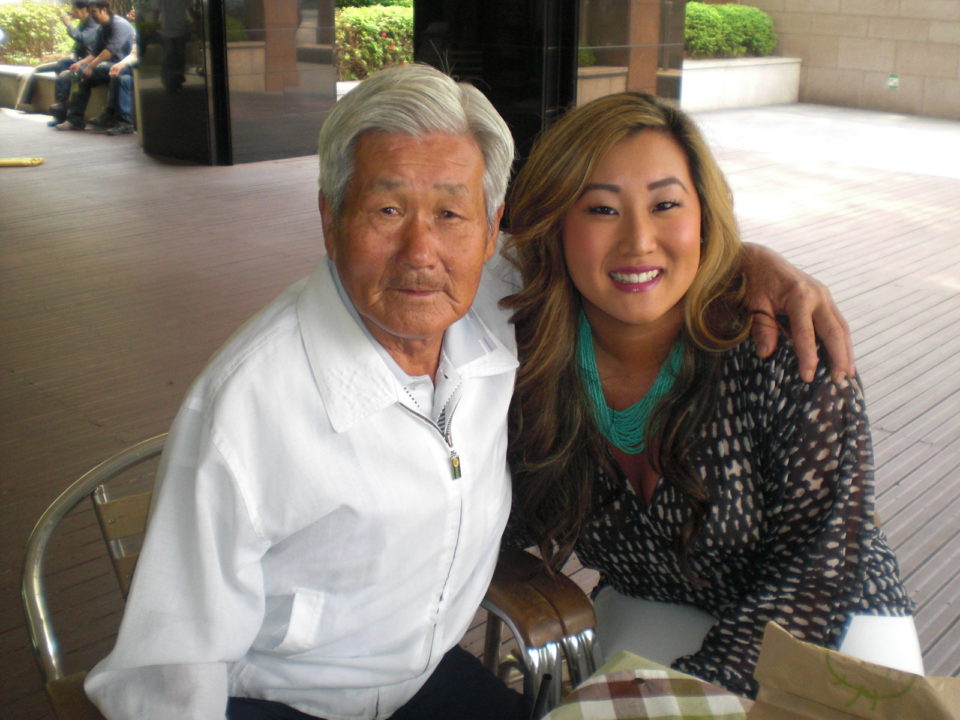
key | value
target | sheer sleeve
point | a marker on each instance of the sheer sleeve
(821, 556)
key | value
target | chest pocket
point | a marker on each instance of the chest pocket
(303, 625)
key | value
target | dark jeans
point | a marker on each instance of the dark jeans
(120, 96)
(61, 86)
(79, 100)
(459, 689)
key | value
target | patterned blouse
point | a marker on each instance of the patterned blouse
(791, 536)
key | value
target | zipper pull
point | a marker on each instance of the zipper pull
(454, 457)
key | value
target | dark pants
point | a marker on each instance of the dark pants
(61, 86)
(173, 62)
(120, 96)
(79, 100)
(459, 689)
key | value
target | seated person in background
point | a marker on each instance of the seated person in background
(713, 490)
(330, 502)
(117, 115)
(84, 35)
(114, 41)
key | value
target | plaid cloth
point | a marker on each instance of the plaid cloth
(629, 687)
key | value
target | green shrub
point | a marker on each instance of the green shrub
(369, 3)
(236, 30)
(703, 30)
(34, 33)
(750, 29)
(371, 38)
(727, 31)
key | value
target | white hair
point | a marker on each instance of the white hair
(417, 100)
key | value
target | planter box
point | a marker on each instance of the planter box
(599, 80)
(247, 65)
(739, 82)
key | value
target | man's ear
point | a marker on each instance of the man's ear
(326, 221)
(493, 235)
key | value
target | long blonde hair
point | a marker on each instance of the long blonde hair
(556, 448)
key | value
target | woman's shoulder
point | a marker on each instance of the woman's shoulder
(782, 364)
(776, 381)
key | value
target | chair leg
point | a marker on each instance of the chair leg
(491, 643)
(540, 662)
(582, 652)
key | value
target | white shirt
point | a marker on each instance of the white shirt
(308, 543)
(420, 393)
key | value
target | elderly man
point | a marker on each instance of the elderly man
(329, 507)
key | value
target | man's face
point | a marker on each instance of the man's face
(81, 13)
(100, 15)
(413, 235)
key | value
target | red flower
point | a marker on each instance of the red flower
(383, 33)
(392, 47)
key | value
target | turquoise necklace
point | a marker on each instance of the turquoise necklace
(625, 429)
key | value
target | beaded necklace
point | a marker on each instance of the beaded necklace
(625, 429)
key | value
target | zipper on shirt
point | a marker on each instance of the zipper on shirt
(456, 471)
(454, 456)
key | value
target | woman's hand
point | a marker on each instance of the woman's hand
(777, 287)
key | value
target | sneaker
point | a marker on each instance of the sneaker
(59, 113)
(103, 120)
(69, 125)
(121, 128)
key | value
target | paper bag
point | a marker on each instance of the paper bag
(800, 681)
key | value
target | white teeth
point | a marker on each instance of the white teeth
(634, 278)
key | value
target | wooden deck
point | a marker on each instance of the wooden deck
(121, 274)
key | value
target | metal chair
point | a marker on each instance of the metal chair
(551, 620)
(549, 616)
(121, 521)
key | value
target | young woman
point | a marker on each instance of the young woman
(714, 491)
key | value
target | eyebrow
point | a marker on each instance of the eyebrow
(671, 180)
(451, 188)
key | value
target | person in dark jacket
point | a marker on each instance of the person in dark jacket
(114, 42)
(84, 34)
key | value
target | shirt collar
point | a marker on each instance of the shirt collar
(355, 375)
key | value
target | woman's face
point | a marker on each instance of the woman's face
(632, 239)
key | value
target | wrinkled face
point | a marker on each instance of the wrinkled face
(632, 239)
(413, 234)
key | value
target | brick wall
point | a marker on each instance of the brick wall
(850, 48)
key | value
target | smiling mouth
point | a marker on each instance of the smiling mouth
(631, 278)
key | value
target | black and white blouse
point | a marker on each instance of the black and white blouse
(791, 536)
